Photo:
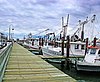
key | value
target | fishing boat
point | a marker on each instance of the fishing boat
(59, 46)
(31, 43)
(77, 43)
(91, 61)
(76, 49)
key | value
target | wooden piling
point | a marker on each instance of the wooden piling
(86, 45)
(39, 41)
(67, 54)
(42, 43)
(62, 47)
(62, 52)
(94, 42)
(33, 43)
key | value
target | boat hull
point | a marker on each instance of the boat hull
(84, 66)
(50, 52)
(57, 52)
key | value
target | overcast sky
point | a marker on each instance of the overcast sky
(34, 16)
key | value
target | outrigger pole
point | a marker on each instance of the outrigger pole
(64, 29)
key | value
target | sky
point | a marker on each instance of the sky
(35, 16)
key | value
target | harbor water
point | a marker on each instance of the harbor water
(79, 76)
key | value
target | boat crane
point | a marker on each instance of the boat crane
(64, 27)
(92, 19)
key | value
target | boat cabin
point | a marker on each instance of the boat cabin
(77, 48)
(93, 54)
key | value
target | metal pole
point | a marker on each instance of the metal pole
(9, 33)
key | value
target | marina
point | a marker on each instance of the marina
(22, 62)
(49, 59)
(49, 41)
(24, 66)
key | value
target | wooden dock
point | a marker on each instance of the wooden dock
(23, 66)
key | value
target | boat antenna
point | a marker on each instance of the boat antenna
(67, 23)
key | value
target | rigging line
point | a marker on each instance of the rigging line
(97, 22)
(92, 32)
(73, 28)
(96, 28)
(79, 25)
(58, 29)
(87, 32)
(41, 32)
(97, 31)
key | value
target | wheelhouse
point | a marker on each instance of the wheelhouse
(93, 54)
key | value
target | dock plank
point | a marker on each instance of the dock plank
(23, 66)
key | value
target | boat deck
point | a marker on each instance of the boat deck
(23, 66)
(59, 57)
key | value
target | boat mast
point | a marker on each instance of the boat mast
(62, 47)
(65, 26)
(67, 23)
(85, 22)
(62, 26)
(64, 30)
(82, 32)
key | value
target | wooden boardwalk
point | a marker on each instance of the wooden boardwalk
(23, 66)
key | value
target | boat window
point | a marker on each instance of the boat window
(93, 51)
(77, 46)
(99, 52)
(82, 47)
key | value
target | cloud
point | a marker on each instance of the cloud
(37, 15)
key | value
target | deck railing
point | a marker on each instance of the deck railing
(4, 56)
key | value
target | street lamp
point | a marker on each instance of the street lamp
(10, 31)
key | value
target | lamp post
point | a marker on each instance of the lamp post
(10, 31)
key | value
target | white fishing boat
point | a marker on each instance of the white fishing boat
(58, 48)
(31, 43)
(91, 62)
(76, 49)
(77, 43)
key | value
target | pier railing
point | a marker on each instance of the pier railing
(4, 56)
